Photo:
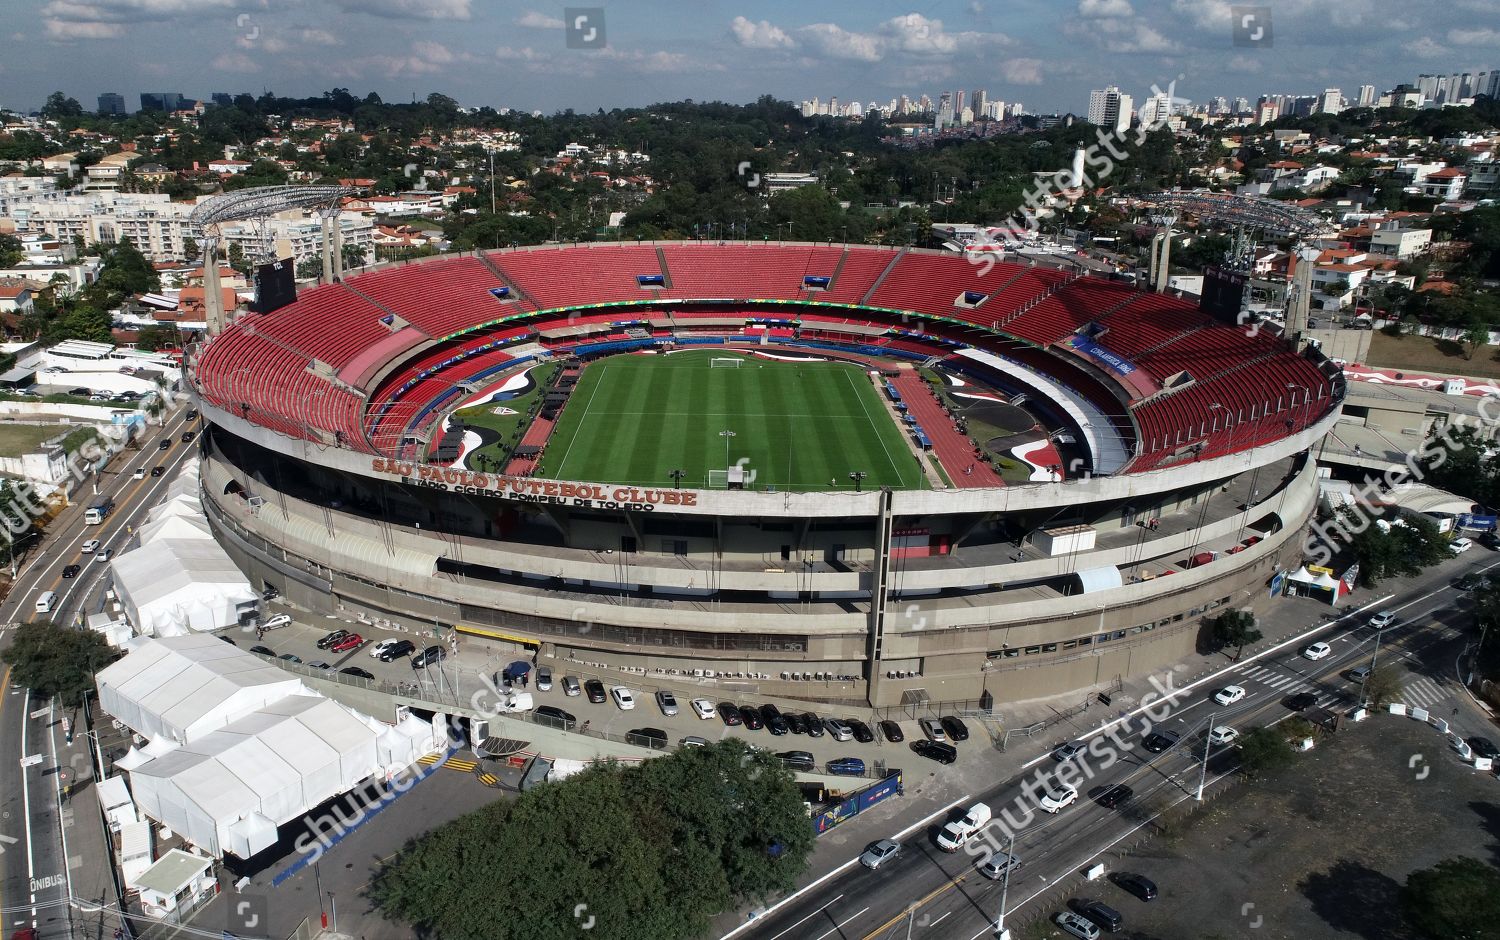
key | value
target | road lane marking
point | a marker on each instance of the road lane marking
(838, 927)
(808, 917)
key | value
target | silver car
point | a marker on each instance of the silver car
(879, 853)
(667, 702)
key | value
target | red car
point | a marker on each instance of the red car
(351, 642)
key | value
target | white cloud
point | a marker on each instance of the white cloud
(760, 34)
(318, 37)
(916, 33)
(236, 62)
(532, 19)
(1123, 36)
(835, 42)
(1474, 37)
(107, 19)
(1426, 47)
(1022, 71)
(409, 9)
(1208, 15)
(911, 34)
(1252, 64)
(1105, 9)
(82, 29)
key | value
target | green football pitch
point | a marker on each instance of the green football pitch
(795, 426)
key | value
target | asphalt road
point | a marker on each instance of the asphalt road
(941, 895)
(34, 875)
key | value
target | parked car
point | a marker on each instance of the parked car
(554, 717)
(571, 686)
(70, 570)
(624, 698)
(357, 672)
(667, 702)
(544, 678)
(692, 740)
(327, 640)
(1066, 752)
(703, 708)
(1223, 734)
(1229, 694)
(1076, 925)
(750, 715)
(1100, 914)
(1483, 747)
(290, 657)
(1114, 796)
(397, 650)
(955, 727)
(880, 853)
(1138, 885)
(775, 721)
(862, 732)
(846, 767)
(934, 730)
(1056, 797)
(280, 620)
(795, 723)
(997, 864)
(838, 729)
(382, 645)
(594, 689)
(263, 650)
(351, 641)
(1158, 741)
(431, 656)
(797, 760)
(654, 738)
(1459, 546)
(935, 750)
(729, 713)
(814, 725)
(892, 731)
(319, 664)
(1301, 701)
(1316, 651)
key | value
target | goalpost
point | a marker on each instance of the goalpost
(718, 480)
(725, 362)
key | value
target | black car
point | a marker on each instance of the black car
(654, 738)
(397, 650)
(1158, 741)
(263, 650)
(729, 713)
(932, 750)
(814, 725)
(796, 760)
(1138, 885)
(70, 570)
(594, 689)
(1098, 913)
(187, 436)
(1490, 540)
(862, 732)
(229, 640)
(1114, 796)
(158, 471)
(357, 672)
(892, 731)
(776, 722)
(329, 639)
(1483, 747)
(795, 723)
(957, 730)
(1301, 701)
(164, 444)
(554, 717)
(750, 715)
(431, 656)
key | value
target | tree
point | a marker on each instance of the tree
(152, 338)
(1382, 687)
(1457, 897)
(1234, 628)
(57, 661)
(651, 850)
(1477, 335)
(11, 251)
(1263, 750)
(60, 106)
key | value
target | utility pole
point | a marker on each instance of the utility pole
(1208, 743)
(1374, 657)
(1000, 932)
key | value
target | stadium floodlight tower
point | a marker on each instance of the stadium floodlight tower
(256, 205)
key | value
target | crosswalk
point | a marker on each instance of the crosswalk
(1422, 692)
(456, 763)
(1277, 681)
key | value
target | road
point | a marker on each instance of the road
(34, 876)
(935, 894)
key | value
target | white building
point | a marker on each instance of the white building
(1399, 243)
(1109, 108)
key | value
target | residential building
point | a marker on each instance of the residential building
(1446, 185)
(1367, 96)
(1330, 102)
(1392, 241)
(1109, 108)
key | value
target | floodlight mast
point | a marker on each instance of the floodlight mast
(259, 203)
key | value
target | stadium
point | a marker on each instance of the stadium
(836, 473)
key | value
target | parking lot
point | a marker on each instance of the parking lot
(1319, 850)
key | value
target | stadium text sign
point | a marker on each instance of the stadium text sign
(528, 490)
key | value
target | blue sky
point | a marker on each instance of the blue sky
(512, 53)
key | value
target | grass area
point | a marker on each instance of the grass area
(797, 426)
(937, 465)
(79, 437)
(18, 439)
(1426, 354)
(510, 427)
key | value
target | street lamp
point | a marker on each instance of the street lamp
(1000, 932)
(857, 476)
(1208, 743)
(726, 434)
(1374, 657)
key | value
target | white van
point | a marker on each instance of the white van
(955, 834)
(45, 602)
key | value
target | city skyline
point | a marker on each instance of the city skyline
(521, 57)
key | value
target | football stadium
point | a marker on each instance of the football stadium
(836, 473)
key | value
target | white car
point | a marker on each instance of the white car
(1223, 734)
(1229, 694)
(1316, 651)
(140, 473)
(1382, 620)
(89, 547)
(381, 647)
(1076, 925)
(104, 554)
(1057, 797)
(624, 698)
(1459, 546)
(280, 620)
(704, 708)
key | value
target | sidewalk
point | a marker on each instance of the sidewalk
(89, 852)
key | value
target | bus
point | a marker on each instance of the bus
(98, 512)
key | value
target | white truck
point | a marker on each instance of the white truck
(957, 833)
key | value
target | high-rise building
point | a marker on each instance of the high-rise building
(1428, 86)
(926, 104)
(1492, 87)
(1266, 111)
(981, 103)
(1109, 109)
(958, 103)
(223, 99)
(945, 108)
(167, 101)
(1155, 110)
(111, 104)
(1366, 96)
(1331, 101)
(1242, 106)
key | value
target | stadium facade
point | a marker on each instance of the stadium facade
(1181, 479)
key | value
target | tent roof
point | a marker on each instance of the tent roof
(1099, 579)
(165, 567)
(184, 678)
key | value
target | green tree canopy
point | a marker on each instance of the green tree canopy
(1263, 750)
(57, 661)
(1234, 628)
(1458, 897)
